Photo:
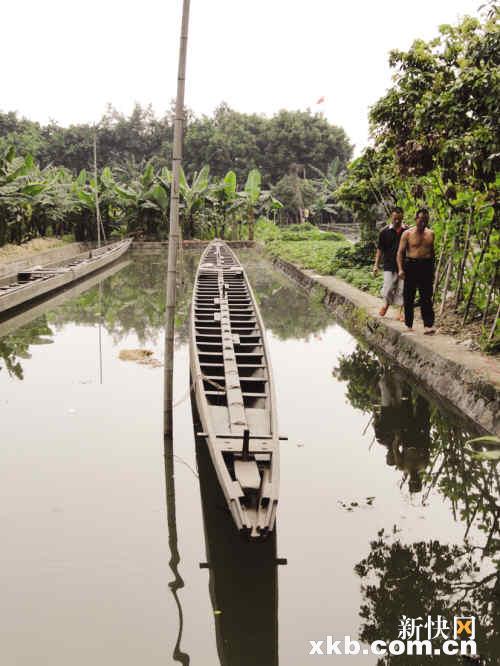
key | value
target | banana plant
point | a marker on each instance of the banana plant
(254, 200)
(19, 182)
(193, 197)
(56, 206)
(223, 197)
(144, 202)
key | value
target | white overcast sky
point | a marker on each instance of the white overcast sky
(66, 60)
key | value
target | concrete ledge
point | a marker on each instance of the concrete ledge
(46, 258)
(468, 380)
(160, 246)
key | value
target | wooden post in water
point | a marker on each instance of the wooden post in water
(173, 236)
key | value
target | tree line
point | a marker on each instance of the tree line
(46, 181)
(227, 140)
(36, 201)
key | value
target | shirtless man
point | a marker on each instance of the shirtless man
(416, 267)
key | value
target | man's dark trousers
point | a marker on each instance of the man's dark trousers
(419, 274)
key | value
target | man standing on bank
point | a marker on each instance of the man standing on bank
(387, 248)
(416, 266)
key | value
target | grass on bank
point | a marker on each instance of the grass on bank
(328, 253)
(13, 252)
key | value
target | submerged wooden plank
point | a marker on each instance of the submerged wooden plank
(247, 473)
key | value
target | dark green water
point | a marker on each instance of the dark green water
(383, 510)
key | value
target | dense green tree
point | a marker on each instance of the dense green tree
(226, 140)
(444, 107)
(437, 144)
(304, 138)
(296, 194)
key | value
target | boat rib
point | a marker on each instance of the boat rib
(234, 390)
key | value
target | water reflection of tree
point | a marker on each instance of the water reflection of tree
(428, 579)
(287, 311)
(15, 346)
(471, 486)
(361, 370)
(133, 301)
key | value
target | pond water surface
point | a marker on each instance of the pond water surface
(383, 510)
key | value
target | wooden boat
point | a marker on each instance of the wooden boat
(234, 391)
(22, 316)
(38, 281)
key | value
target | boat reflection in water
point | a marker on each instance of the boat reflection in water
(243, 578)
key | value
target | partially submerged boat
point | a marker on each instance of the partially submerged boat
(234, 391)
(38, 281)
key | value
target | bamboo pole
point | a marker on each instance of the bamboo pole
(476, 269)
(449, 268)
(96, 196)
(173, 237)
(463, 262)
(494, 325)
(437, 277)
(490, 293)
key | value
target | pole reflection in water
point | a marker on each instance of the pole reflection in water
(243, 578)
(175, 559)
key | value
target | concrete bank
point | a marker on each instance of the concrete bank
(161, 246)
(468, 380)
(47, 258)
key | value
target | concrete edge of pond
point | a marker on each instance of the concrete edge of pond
(155, 246)
(468, 380)
(44, 258)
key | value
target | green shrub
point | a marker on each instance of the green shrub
(266, 230)
(361, 278)
(354, 256)
(316, 255)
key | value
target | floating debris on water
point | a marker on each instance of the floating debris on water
(350, 506)
(141, 356)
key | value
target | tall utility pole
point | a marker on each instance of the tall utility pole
(173, 236)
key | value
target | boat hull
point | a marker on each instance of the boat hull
(39, 281)
(234, 390)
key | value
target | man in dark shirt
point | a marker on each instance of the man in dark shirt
(387, 248)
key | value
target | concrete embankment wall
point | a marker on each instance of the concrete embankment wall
(156, 246)
(47, 258)
(469, 381)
